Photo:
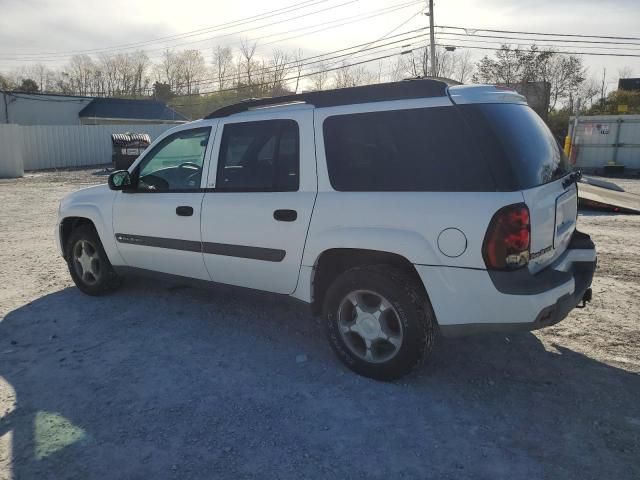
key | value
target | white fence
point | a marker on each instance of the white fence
(11, 164)
(36, 147)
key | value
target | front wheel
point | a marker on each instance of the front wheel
(379, 321)
(88, 264)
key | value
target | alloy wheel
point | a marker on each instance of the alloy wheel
(370, 326)
(86, 262)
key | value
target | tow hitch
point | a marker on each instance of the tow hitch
(588, 294)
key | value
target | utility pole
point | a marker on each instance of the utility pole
(604, 78)
(432, 39)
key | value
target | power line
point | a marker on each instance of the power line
(414, 15)
(538, 33)
(342, 22)
(345, 21)
(57, 57)
(403, 40)
(304, 62)
(376, 50)
(284, 80)
(396, 41)
(603, 42)
(532, 40)
(237, 32)
(222, 26)
(602, 54)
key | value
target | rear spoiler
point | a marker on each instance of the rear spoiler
(466, 94)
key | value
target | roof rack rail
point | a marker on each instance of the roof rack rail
(406, 89)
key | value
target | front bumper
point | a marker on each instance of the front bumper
(57, 234)
(477, 301)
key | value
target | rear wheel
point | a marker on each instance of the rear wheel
(379, 321)
(88, 264)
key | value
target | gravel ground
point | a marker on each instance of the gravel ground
(163, 381)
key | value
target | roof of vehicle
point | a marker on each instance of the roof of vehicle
(406, 89)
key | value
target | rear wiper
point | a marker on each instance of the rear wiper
(572, 178)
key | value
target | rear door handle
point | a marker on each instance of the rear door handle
(285, 215)
(184, 211)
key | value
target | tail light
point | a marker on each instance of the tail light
(508, 238)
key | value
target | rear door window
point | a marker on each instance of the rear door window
(425, 149)
(259, 156)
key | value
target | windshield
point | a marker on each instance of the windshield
(518, 144)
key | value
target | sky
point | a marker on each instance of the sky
(51, 31)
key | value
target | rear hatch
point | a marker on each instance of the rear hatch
(523, 155)
(553, 212)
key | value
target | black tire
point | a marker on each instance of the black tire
(412, 309)
(105, 279)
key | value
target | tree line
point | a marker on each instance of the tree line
(184, 75)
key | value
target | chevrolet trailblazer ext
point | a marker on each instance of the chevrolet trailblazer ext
(395, 210)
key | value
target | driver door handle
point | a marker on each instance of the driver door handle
(184, 211)
(285, 215)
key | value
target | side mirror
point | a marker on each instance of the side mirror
(119, 180)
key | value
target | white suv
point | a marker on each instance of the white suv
(395, 210)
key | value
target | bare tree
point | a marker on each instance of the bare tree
(42, 75)
(445, 63)
(349, 76)
(343, 77)
(320, 78)
(298, 64)
(222, 66)
(275, 72)
(109, 74)
(625, 72)
(139, 68)
(416, 65)
(247, 61)
(463, 68)
(192, 69)
(603, 87)
(398, 69)
(168, 71)
(81, 74)
(587, 92)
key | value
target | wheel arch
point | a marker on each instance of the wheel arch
(83, 214)
(67, 225)
(332, 262)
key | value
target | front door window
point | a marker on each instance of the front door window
(175, 163)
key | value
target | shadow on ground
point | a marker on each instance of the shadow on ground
(161, 381)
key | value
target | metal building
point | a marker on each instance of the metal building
(53, 109)
(606, 143)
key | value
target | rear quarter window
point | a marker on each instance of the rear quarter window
(423, 149)
(517, 143)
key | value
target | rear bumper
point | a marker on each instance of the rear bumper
(582, 276)
(476, 301)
